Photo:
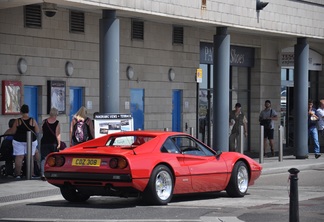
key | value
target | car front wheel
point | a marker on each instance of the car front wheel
(159, 190)
(72, 195)
(238, 184)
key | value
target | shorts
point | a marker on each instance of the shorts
(20, 148)
(268, 134)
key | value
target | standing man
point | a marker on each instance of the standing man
(312, 128)
(236, 120)
(266, 118)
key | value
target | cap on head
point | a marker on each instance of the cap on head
(238, 105)
(24, 109)
(267, 101)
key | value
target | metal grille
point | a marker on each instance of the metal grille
(76, 21)
(137, 29)
(33, 16)
(177, 35)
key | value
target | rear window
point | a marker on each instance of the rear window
(128, 140)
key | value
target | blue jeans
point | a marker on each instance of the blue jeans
(313, 134)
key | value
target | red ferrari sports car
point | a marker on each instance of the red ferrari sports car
(153, 165)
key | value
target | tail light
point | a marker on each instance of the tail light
(56, 161)
(118, 163)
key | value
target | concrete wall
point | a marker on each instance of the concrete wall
(49, 48)
(279, 16)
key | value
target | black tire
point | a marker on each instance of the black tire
(159, 190)
(238, 184)
(72, 195)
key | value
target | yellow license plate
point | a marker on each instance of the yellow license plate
(85, 162)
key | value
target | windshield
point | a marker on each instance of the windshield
(128, 140)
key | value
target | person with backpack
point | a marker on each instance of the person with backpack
(81, 128)
(266, 118)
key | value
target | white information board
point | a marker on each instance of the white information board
(107, 123)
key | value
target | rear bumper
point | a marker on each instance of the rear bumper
(98, 184)
(88, 176)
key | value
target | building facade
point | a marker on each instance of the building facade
(161, 45)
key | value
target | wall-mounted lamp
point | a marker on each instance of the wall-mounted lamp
(22, 66)
(260, 5)
(69, 68)
(130, 73)
(171, 74)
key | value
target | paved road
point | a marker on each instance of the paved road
(35, 200)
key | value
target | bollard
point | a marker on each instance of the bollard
(166, 129)
(261, 144)
(241, 145)
(191, 130)
(29, 157)
(293, 195)
(280, 143)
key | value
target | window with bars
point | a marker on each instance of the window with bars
(137, 29)
(33, 16)
(177, 35)
(76, 21)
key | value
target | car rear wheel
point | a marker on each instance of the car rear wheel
(238, 184)
(159, 190)
(72, 195)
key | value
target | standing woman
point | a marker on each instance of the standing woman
(51, 139)
(88, 130)
(20, 128)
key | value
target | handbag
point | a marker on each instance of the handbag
(62, 144)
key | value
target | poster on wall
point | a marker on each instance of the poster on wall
(56, 96)
(11, 97)
(107, 123)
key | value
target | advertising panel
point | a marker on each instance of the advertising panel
(107, 123)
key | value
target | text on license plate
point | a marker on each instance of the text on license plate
(85, 162)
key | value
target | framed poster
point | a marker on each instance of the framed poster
(11, 97)
(56, 96)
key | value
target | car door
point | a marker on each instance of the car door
(172, 155)
(208, 171)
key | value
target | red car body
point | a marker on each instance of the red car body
(162, 164)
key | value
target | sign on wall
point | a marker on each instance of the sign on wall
(56, 95)
(239, 55)
(287, 59)
(107, 123)
(11, 97)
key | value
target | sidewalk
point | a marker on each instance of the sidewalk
(11, 188)
(271, 165)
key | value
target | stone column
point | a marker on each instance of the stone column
(221, 90)
(109, 62)
(301, 98)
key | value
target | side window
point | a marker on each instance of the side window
(169, 147)
(190, 146)
(206, 150)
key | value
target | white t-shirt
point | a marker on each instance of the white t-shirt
(320, 114)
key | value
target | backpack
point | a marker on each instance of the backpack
(81, 131)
